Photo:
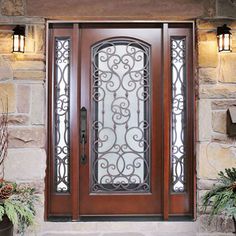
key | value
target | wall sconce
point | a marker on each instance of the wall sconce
(224, 38)
(19, 39)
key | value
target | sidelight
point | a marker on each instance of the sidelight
(61, 116)
(178, 134)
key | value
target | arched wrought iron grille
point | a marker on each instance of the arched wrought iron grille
(121, 122)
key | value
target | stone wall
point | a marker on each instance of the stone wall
(22, 84)
(217, 92)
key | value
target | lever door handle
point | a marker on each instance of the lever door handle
(83, 138)
(83, 158)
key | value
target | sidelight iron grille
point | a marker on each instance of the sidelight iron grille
(120, 122)
(178, 149)
(61, 116)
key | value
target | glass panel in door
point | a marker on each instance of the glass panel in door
(120, 108)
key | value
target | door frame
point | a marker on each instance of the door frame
(74, 216)
(134, 203)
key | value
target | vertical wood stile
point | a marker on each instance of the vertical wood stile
(74, 106)
(166, 120)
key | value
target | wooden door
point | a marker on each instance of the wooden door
(120, 120)
(121, 92)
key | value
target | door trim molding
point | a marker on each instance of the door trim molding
(119, 21)
(75, 196)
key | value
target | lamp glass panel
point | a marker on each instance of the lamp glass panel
(22, 43)
(15, 43)
(227, 42)
(220, 42)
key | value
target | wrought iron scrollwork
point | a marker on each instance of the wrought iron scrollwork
(61, 116)
(178, 64)
(121, 122)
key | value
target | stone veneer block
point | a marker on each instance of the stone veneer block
(23, 20)
(207, 54)
(188, 9)
(5, 39)
(205, 184)
(40, 39)
(218, 224)
(23, 98)
(30, 57)
(228, 68)
(5, 70)
(28, 65)
(222, 104)
(9, 57)
(22, 137)
(29, 75)
(204, 120)
(226, 8)
(12, 7)
(18, 119)
(219, 121)
(25, 164)
(200, 194)
(222, 91)
(212, 24)
(30, 40)
(40, 214)
(8, 96)
(206, 36)
(214, 157)
(207, 75)
(38, 104)
(234, 41)
(222, 138)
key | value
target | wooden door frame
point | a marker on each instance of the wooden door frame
(166, 191)
(95, 202)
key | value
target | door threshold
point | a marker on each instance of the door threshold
(119, 218)
(134, 218)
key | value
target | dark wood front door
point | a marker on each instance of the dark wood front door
(121, 91)
(121, 128)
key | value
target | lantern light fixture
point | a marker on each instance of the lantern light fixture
(224, 38)
(19, 39)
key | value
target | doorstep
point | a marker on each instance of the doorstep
(137, 234)
(119, 228)
(124, 229)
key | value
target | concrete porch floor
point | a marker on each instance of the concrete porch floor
(124, 229)
(136, 234)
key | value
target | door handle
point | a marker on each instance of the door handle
(83, 138)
